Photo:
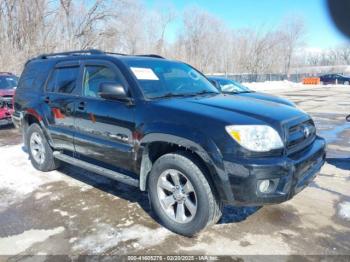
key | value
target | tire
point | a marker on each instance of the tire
(346, 83)
(40, 152)
(198, 193)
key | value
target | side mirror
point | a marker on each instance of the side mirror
(113, 91)
(216, 84)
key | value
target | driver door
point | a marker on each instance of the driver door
(103, 127)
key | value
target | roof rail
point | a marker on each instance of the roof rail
(113, 53)
(88, 52)
(6, 73)
(152, 55)
(80, 52)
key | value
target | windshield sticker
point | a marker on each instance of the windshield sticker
(144, 73)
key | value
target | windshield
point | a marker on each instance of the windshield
(162, 78)
(8, 82)
(230, 86)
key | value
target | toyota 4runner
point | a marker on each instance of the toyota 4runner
(161, 126)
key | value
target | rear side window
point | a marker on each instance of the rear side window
(34, 76)
(63, 80)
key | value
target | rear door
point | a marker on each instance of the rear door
(60, 97)
(104, 128)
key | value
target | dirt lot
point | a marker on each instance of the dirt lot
(72, 211)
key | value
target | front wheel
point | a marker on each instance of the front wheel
(40, 152)
(181, 196)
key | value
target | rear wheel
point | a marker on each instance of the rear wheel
(40, 152)
(181, 196)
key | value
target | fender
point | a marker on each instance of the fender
(34, 113)
(196, 142)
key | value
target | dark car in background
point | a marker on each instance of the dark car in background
(8, 84)
(335, 79)
(228, 86)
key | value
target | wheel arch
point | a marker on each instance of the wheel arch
(30, 117)
(206, 153)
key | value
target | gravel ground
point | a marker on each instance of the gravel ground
(72, 211)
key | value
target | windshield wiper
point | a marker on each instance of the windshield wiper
(237, 92)
(204, 92)
(170, 94)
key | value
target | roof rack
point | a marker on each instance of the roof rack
(113, 53)
(89, 52)
(80, 52)
(152, 55)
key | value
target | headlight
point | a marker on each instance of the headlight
(258, 138)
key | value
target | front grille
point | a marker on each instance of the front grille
(300, 135)
(6, 102)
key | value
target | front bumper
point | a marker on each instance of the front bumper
(5, 121)
(290, 175)
(5, 116)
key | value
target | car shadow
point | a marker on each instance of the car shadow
(231, 214)
(118, 189)
(234, 214)
(342, 163)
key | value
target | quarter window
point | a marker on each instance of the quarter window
(63, 80)
(94, 76)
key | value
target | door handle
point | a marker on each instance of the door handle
(81, 106)
(47, 100)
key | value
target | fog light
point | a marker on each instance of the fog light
(264, 186)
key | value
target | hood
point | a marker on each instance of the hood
(267, 97)
(7, 92)
(235, 109)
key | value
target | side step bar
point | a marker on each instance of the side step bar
(97, 169)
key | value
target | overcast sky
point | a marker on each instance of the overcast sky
(268, 13)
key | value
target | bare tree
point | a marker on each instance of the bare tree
(158, 23)
(30, 27)
(292, 33)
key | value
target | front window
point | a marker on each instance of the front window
(94, 76)
(230, 86)
(8, 82)
(161, 78)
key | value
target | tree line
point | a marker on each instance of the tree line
(32, 27)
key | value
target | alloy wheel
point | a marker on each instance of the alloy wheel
(177, 196)
(37, 147)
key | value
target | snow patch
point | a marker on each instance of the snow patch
(73, 239)
(62, 213)
(213, 244)
(16, 244)
(344, 210)
(20, 178)
(106, 237)
(40, 195)
(273, 85)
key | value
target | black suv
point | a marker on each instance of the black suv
(161, 126)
